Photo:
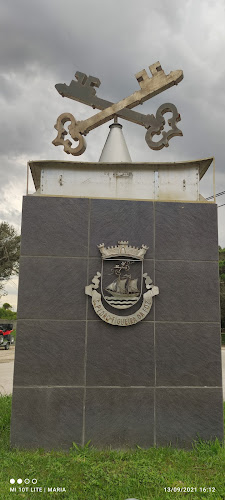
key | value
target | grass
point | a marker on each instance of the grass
(89, 474)
(14, 334)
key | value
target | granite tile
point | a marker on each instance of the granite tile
(120, 418)
(55, 226)
(49, 353)
(52, 288)
(188, 291)
(120, 356)
(116, 220)
(186, 231)
(184, 415)
(49, 418)
(188, 354)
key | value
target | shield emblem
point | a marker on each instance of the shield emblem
(121, 283)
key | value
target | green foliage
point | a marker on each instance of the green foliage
(7, 314)
(6, 305)
(221, 253)
(90, 474)
(222, 305)
(5, 412)
(14, 333)
(9, 250)
(80, 450)
(222, 268)
(222, 285)
(9, 253)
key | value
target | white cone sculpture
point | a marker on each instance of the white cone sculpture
(115, 148)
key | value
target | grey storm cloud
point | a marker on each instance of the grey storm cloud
(45, 42)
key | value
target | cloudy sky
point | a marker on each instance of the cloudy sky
(44, 42)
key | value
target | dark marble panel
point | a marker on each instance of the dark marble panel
(186, 231)
(49, 418)
(188, 354)
(120, 418)
(183, 415)
(55, 226)
(114, 220)
(49, 353)
(96, 265)
(52, 288)
(188, 291)
(120, 356)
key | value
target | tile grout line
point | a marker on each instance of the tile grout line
(96, 257)
(118, 387)
(185, 260)
(143, 321)
(154, 437)
(86, 334)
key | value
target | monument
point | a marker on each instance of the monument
(118, 331)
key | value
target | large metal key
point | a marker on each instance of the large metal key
(83, 90)
(150, 86)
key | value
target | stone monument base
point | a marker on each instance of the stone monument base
(78, 378)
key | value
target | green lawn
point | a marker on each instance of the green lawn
(88, 474)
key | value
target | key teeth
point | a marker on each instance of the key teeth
(156, 68)
(82, 77)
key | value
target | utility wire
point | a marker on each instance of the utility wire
(218, 194)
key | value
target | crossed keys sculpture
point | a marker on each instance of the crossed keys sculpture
(83, 90)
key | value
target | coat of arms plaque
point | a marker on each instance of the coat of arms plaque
(121, 282)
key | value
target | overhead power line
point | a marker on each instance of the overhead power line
(218, 194)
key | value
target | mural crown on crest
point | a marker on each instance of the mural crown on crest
(123, 249)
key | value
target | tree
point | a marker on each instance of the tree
(9, 253)
(222, 284)
(7, 314)
(222, 303)
(6, 305)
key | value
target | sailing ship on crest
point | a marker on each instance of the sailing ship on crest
(123, 287)
(123, 290)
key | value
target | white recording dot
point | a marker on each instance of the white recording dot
(19, 481)
(12, 481)
(27, 481)
(34, 481)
